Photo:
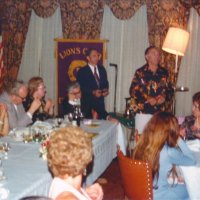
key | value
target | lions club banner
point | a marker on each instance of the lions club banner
(71, 57)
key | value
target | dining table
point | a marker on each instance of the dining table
(191, 174)
(27, 174)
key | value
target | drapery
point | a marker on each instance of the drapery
(15, 17)
(127, 42)
(189, 69)
(82, 19)
(85, 22)
(39, 52)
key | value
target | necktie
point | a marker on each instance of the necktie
(96, 76)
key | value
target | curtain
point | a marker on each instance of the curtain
(189, 70)
(128, 40)
(39, 53)
(81, 19)
(15, 18)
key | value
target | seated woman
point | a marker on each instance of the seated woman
(4, 124)
(161, 146)
(69, 152)
(192, 122)
(37, 90)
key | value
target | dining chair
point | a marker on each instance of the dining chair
(4, 124)
(136, 178)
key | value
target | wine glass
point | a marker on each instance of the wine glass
(59, 120)
(70, 117)
(6, 148)
(2, 176)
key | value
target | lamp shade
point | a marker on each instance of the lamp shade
(176, 41)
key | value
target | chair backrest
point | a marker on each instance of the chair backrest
(136, 178)
(141, 120)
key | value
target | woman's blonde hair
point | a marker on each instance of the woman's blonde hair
(161, 129)
(69, 151)
(33, 84)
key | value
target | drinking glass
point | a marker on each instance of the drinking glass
(6, 148)
(2, 177)
(59, 120)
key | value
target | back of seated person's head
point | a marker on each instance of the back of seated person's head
(35, 198)
(12, 87)
(161, 129)
(69, 151)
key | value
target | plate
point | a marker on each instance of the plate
(93, 135)
(94, 124)
(18, 133)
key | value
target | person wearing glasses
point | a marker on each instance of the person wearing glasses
(37, 90)
(14, 94)
(191, 124)
(72, 98)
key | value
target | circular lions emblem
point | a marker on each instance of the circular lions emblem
(74, 67)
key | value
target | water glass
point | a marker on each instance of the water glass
(6, 148)
(2, 177)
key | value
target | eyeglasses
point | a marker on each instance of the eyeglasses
(76, 93)
(22, 98)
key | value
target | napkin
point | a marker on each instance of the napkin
(4, 193)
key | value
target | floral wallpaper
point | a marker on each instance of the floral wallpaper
(44, 8)
(15, 20)
(124, 9)
(82, 19)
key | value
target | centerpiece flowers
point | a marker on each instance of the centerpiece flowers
(44, 148)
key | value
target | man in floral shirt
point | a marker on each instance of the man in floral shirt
(151, 87)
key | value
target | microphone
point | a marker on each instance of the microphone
(113, 65)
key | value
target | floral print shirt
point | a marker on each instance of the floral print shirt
(147, 84)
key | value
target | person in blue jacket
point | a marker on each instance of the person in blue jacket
(162, 146)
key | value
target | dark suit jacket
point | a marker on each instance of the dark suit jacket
(88, 83)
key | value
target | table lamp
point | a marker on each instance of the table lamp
(176, 43)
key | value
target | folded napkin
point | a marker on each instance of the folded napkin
(4, 193)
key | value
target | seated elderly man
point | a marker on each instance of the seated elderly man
(72, 98)
(13, 96)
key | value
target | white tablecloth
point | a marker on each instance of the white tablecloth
(27, 174)
(192, 173)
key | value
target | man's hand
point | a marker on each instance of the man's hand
(152, 101)
(105, 92)
(97, 93)
(160, 99)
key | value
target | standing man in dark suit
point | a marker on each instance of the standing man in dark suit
(94, 86)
